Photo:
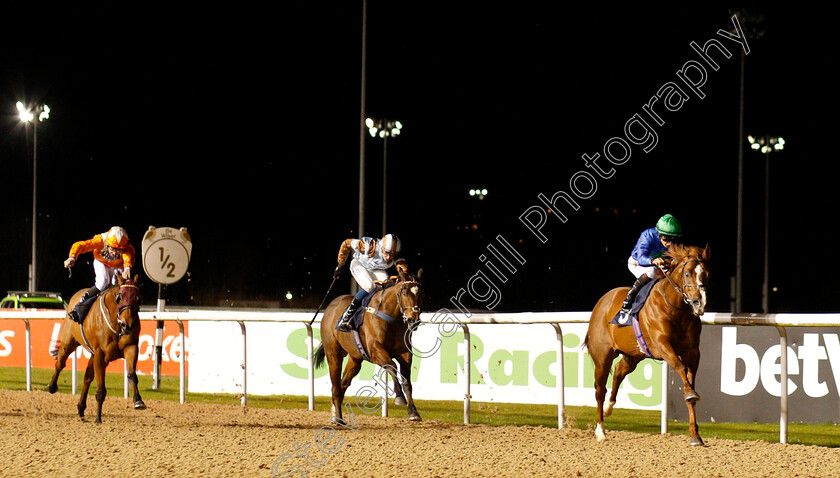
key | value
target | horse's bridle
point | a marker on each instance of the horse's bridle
(681, 290)
(124, 330)
(403, 310)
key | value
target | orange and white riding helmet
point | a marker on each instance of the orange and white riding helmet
(117, 238)
(390, 244)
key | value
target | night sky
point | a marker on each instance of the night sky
(243, 125)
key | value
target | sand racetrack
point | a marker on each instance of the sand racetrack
(41, 435)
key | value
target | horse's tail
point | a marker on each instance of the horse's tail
(319, 356)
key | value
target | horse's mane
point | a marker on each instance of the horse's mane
(681, 252)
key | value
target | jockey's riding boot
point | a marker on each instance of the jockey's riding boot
(344, 322)
(79, 313)
(631, 296)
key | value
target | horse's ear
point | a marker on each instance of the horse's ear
(120, 279)
(707, 253)
(402, 274)
(419, 275)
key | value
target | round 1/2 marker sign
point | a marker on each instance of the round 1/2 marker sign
(166, 254)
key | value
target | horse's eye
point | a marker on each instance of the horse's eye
(119, 298)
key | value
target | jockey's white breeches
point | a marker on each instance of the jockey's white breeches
(365, 277)
(638, 271)
(105, 276)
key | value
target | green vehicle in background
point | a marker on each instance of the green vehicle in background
(33, 300)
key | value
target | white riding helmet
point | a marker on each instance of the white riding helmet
(391, 244)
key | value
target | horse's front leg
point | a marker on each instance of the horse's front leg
(99, 365)
(404, 361)
(691, 358)
(130, 355)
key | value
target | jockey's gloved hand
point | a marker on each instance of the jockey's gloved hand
(69, 262)
(338, 270)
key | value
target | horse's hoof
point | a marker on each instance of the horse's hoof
(139, 405)
(692, 397)
(98, 421)
(52, 388)
(415, 417)
(599, 433)
(400, 401)
(696, 441)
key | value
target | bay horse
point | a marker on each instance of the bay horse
(110, 331)
(670, 325)
(383, 339)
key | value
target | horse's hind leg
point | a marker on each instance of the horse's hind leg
(404, 362)
(622, 369)
(130, 355)
(603, 361)
(350, 371)
(68, 345)
(82, 405)
(99, 370)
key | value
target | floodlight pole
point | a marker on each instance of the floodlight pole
(42, 112)
(32, 273)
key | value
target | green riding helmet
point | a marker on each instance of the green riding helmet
(668, 225)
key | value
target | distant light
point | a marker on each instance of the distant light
(483, 192)
(372, 131)
(369, 123)
(289, 296)
(45, 113)
(25, 115)
(398, 124)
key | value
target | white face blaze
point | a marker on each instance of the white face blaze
(701, 287)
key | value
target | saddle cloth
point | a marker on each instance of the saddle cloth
(623, 320)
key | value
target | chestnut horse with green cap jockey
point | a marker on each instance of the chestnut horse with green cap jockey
(668, 329)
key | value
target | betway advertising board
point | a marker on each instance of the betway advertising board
(43, 332)
(739, 379)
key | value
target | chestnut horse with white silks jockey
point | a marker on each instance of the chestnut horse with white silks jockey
(384, 335)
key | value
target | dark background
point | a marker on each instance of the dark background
(242, 124)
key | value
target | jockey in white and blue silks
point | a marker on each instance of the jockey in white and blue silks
(371, 260)
(646, 257)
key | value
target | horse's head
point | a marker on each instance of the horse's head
(128, 304)
(690, 270)
(409, 292)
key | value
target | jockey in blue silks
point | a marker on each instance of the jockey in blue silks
(646, 257)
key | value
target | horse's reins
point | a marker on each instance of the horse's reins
(107, 315)
(403, 309)
(415, 307)
(681, 290)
